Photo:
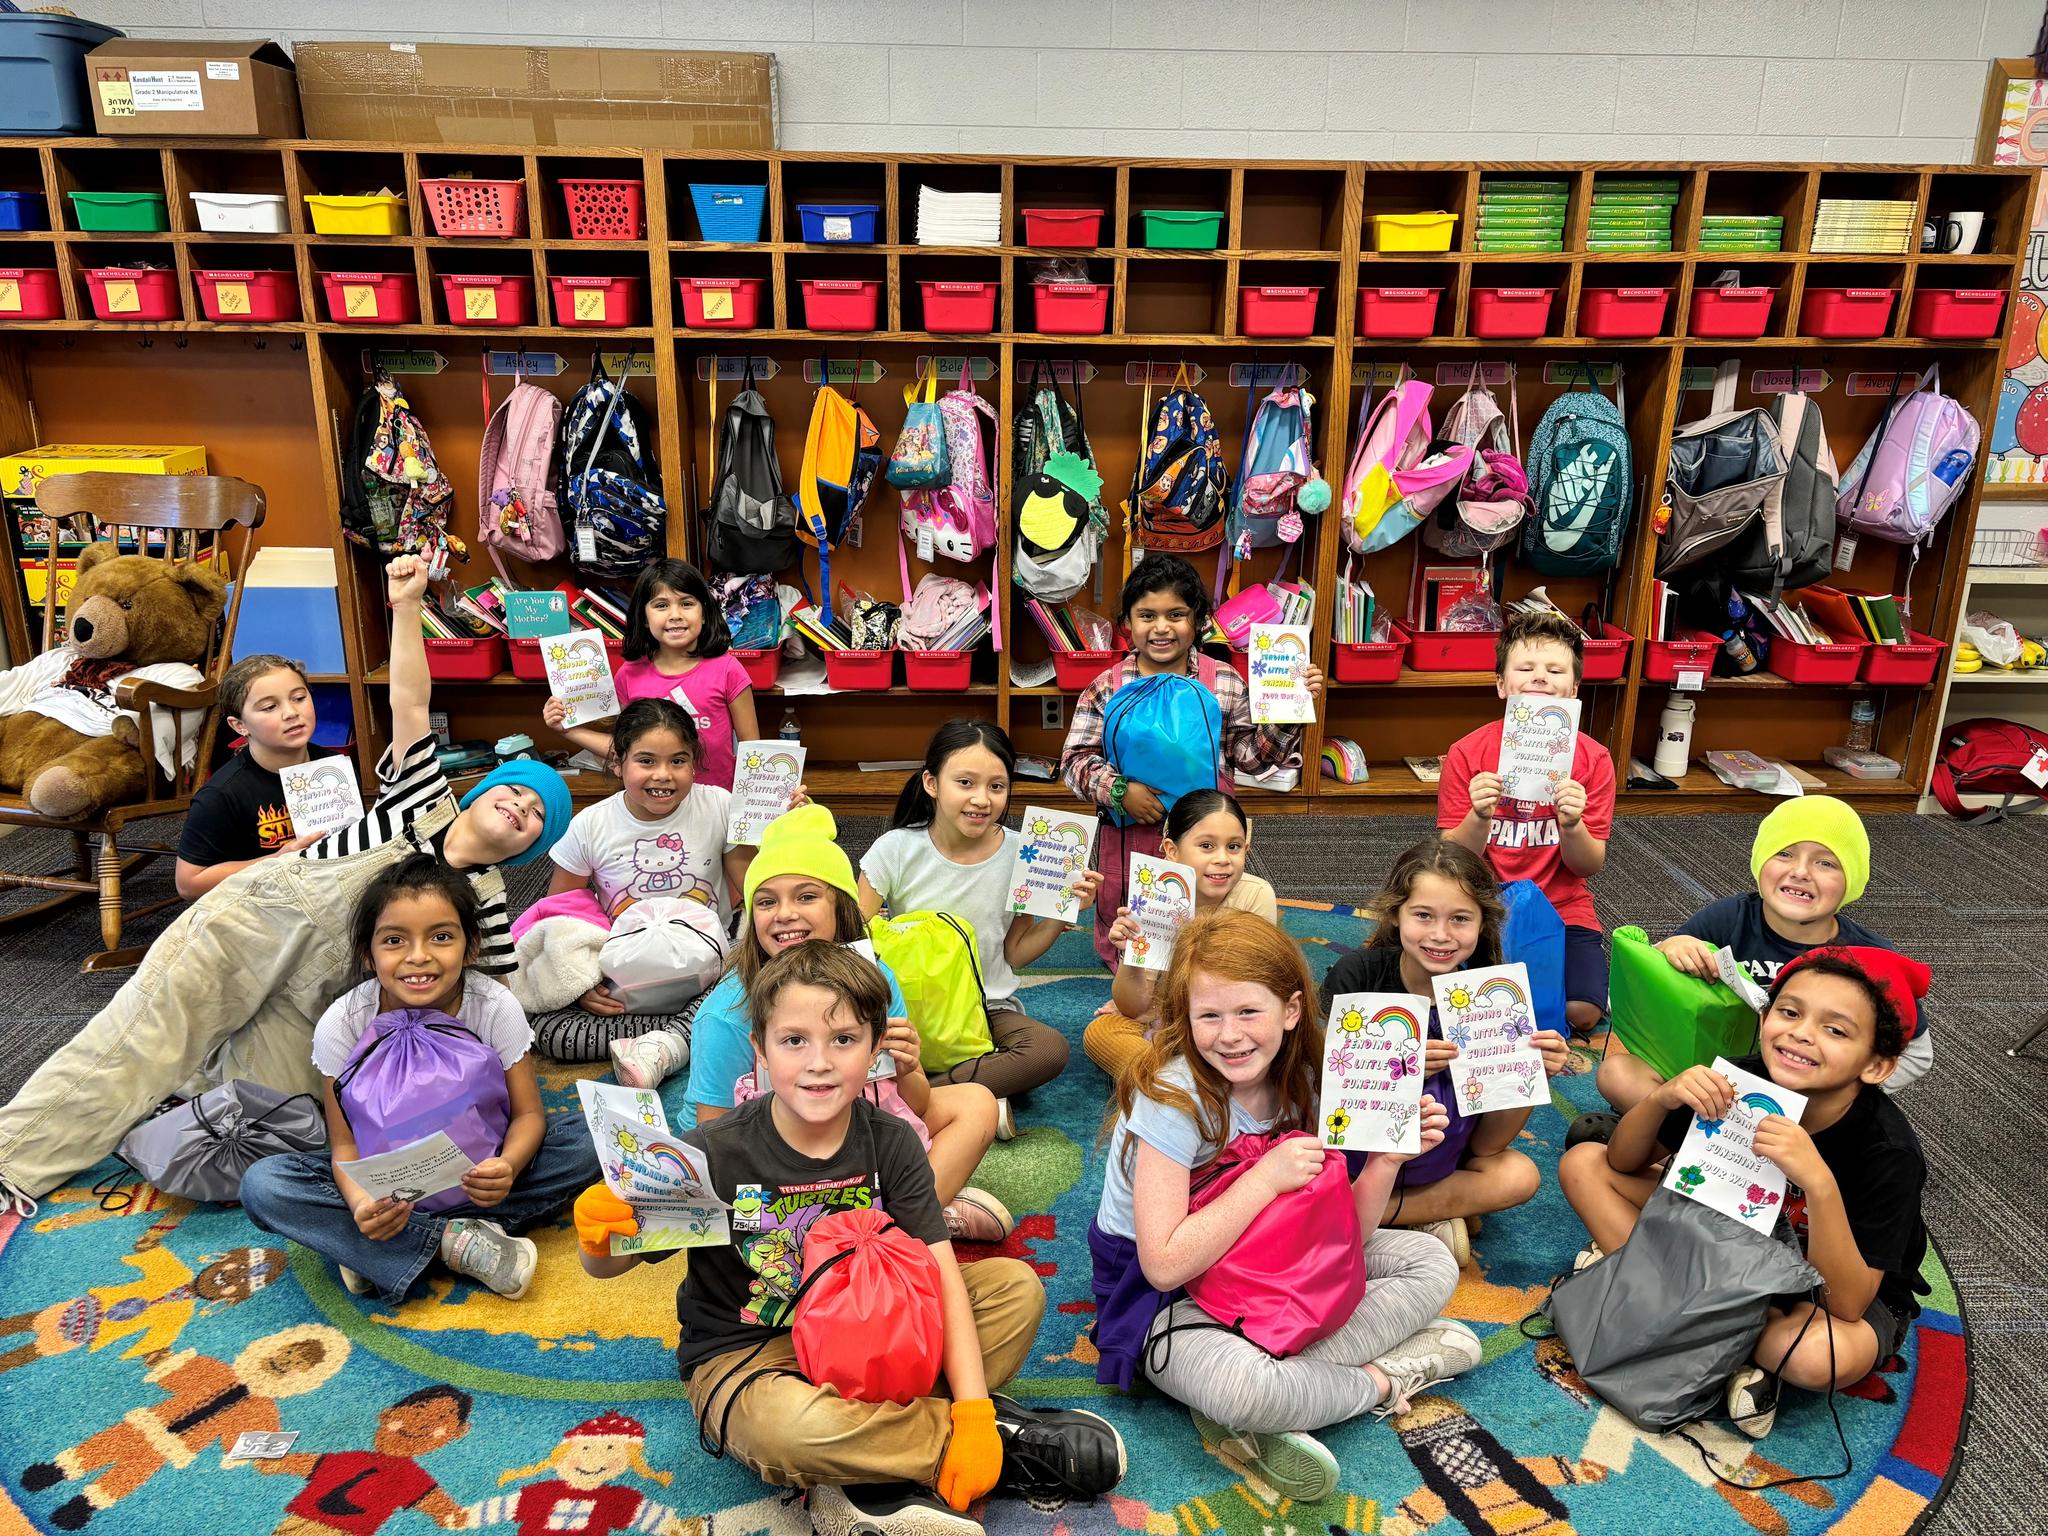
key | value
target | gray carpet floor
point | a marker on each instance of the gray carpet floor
(1970, 901)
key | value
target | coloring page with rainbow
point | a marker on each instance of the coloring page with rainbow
(1537, 740)
(1161, 894)
(1372, 1072)
(1488, 1016)
(666, 1181)
(322, 795)
(1051, 856)
(1278, 672)
(764, 781)
(580, 675)
(1717, 1163)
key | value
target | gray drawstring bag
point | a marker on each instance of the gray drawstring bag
(1657, 1327)
(200, 1149)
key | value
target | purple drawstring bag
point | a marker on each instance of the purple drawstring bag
(416, 1071)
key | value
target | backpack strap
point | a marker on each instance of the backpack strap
(1138, 472)
(1234, 531)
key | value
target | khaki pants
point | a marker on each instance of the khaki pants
(788, 1431)
(232, 989)
(1113, 1042)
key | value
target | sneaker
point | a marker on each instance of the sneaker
(354, 1283)
(1753, 1401)
(1587, 1257)
(1294, 1465)
(1061, 1453)
(1596, 1125)
(1454, 1235)
(484, 1252)
(649, 1060)
(1431, 1354)
(976, 1216)
(1006, 1123)
(885, 1509)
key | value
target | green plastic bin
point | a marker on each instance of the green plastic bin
(1173, 229)
(129, 212)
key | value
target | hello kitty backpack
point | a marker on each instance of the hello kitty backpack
(957, 521)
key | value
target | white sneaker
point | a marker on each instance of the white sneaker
(1006, 1123)
(1293, 1465)
(1587, 1257)
(1753, 1401)
(1454, 1235)
(354, 1283)
(649, 1060)
(976, 1216)
(1433, 1353)
(892, 1509)
(486, 1253)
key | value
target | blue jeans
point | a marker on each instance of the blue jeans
(295, 1196)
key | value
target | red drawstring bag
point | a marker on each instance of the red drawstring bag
(868, 1318)
(1297, 1273)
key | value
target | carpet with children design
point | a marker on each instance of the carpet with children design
(136, 1345)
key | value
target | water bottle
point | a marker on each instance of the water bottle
(1674, 738)
(790, 730)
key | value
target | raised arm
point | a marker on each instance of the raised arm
(412, 690)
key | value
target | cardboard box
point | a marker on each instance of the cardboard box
(21, 473)
(193, 89)
(455, 93)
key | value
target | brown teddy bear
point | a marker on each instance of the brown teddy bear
(67, 741)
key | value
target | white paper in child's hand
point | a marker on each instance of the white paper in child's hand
(1538, 738)
(1277, 667)
(580, 675)
(411, 1172)
(1162, 899)
(1717, 1163)
(765, 777)
(1052, 856)
(1372, 1072)
(1487, 1015)
(321, 796)
(665, 1180)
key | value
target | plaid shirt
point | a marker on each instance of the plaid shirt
(1247, 748)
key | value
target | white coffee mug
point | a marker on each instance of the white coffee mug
(1952, 234)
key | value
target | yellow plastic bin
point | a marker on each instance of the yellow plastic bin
(379, 213)
(1412, 231)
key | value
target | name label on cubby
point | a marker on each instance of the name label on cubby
(1779, 381)
(845, 370)
(528, 365)
(416, 360)
(1881, 383)
(622, 364)
(1575, 373)
(1077, 372)
(1267, 375)
(765, 368)
(949, 367)
(1163, 375)
(1461, 373)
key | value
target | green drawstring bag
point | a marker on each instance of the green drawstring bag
(932, 954)
(1672, 1020)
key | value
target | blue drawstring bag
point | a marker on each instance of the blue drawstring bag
(416, 1071)
(1166, 732)
(1534, 935)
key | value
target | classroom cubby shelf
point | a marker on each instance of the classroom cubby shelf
(272, 402)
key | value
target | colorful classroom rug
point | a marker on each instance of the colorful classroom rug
(135, 1346)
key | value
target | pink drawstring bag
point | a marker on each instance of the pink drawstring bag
(416, 1071)
(1297, 1273)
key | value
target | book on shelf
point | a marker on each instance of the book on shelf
(1663, 611)
(1871, 616)
(1355, 602)
(1427, 769)
(1439, 589)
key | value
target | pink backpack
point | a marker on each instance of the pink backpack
(1398, 472)
(960, 515)
(515, 498)
(1493, 498)
(1915, 466)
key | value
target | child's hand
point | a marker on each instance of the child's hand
(1695, 957)
(1085, 889)
(1435, 1121)
(1312, 680)
(1124, 929)
(405, 579)
(599, 1000)
(1485, 791)
(1436, 1056)
(1141, 804)
(297, 843)
(554, 714)
(800, 796)
(902, 1042)
(1556, 1053)
(1786, 1143)
(1291, 1164)
(1700, 1089)
(1571, 804)
(489, 1182)
(599, 1214)
(382, 1220)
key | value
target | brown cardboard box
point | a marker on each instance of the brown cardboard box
(456, 93)
(185, 89)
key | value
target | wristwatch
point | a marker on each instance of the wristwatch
(1118, 788)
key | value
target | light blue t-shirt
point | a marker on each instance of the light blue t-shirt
(1167, 1131)
(722, 1044)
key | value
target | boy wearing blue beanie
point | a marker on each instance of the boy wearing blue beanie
(233, 987)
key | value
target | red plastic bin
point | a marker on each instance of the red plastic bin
(1846, 313)
(597, 301)
(1267, 311)
(30, 293)
(1606, 655)
(1836, 662)
(1367, 661)
(960, 308)
(1445, 650)
(1398, 314)
(1663, 660)
(762, 667)
(1620, 314)
(475, 298)
(526, 660)
(721, 303)
(842, 304)
(1739, 313)
(248, 297)
(1911, 663)
(1956, 314)
(860, 671)
(371, 298)
(1075, 670)
(1241, 663)
(489, 208)
(1071, 228)
(132, 293)
(602, 208)
(938, 671)
(465, 660)
(1070, 309)
(1511, 314)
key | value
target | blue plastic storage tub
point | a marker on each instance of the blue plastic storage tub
(728, 214)
(839, 223)
(42, 72)
(24, 210)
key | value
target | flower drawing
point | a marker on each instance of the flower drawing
(1690, 1179)
(1337, 1123)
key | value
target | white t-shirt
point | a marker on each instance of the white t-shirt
(909, 873)
(1167, 1131)
(682, 855)
(489, 1011)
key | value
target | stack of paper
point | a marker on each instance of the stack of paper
(959, 218)
(1355, 617)
(1067, 628)
(1517, 215)
(1632, 213)
(1877, 225)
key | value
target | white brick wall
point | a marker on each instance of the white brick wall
(1850, 80)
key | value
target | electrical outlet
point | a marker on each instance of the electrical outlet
(1052, 712)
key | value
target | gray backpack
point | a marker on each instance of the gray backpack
(201, 1148)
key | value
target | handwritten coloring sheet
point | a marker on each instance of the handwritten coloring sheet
(1278, 669)
(1717, 1164)
(323, 795)
(1488, 1016)
(1051, 856)
(1537, 740)
(765, 777)
(1161, 895)
(666, 1181)
(1372, 1072)
(411, 1172)
(580, 675)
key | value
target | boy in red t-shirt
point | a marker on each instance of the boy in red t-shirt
(1559, 846)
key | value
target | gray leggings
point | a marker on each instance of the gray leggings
(1409, 1278)
(573, 1034)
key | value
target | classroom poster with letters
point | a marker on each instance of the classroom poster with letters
(1161, 895)
(580, 675)
(1488, 1016)
(1372, 1072)
(1052, 856)
(1537, 740)
(1278, 667)
(1717, 1163)
(765, 777)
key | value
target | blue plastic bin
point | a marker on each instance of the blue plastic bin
(42, 72)
(729, 214)
(839, 223)
(24, 210)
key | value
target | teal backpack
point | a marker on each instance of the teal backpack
(1582, 481)
(1166, 732)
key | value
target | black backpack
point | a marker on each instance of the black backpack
(1807, 515)
(753, 521)
(611, 480)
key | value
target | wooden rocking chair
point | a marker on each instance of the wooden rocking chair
(195, 514)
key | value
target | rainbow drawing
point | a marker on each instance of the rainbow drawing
(1172, 886)
(1501, 992)
(781, 762)
(668, 1161)
(1553, 717)
(1392, 1023)
(1762, 1102)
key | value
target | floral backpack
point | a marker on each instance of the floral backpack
(957, 520)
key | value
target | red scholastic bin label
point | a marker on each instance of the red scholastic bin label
(1735, 293)
(719, 282)
(584, 282)
(1979, 295)
(1640, 293)
(1404, 293)
(1284, 293)
(835, 285)
(215, 275)
(972, 288)
(477, 280)
(1866, 293)
(1522, 293)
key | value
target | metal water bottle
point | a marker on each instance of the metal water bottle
(1674, 738)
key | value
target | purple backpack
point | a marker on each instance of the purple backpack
(416, 1071)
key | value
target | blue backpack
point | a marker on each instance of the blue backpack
(1534, 935)
(1582, 481)
(1166, 732)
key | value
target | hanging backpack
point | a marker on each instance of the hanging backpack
(1059, 516)
(1399, 471)
(921, 459)
(1914, 466)
(611, 479)
(1581, 477)
(1485, 511)
(1986, 757)
(415, 1071)
(394, 498)
(752, 609)
(753, 522)
(869, 1321)
(1274, 470)
(1180, 489)
(1165, 731)
(515, 488)
(842, 454)
(958, 519)
(935, 963)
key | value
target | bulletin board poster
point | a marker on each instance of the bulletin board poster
(2017, 454)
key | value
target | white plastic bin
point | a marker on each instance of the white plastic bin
(241, 213)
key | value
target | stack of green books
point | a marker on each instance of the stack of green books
(1742, 232)
(1518, 215)
(1632, 213)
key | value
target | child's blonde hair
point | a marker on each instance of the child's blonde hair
(1450, 861)
(1542, 628)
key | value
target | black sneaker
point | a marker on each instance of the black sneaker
(1052, 1451)
(885, 1509)
(1595, 1125)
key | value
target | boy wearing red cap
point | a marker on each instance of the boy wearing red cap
(1836, 1022)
